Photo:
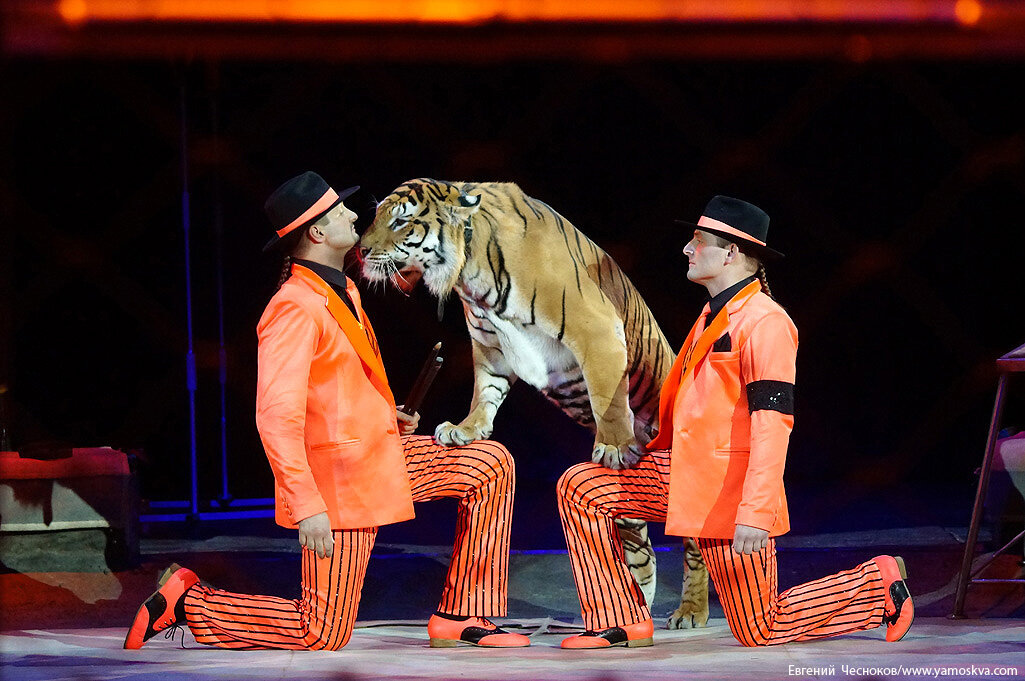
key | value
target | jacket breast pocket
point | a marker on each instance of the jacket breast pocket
(335, 444)
(733, 452)
(727, 366)
(719, 357)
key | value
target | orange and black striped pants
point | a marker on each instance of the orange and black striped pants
(480, 475)
(591, 497)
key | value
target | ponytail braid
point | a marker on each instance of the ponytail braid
(289, 245)
(286, 271)
(764, 282)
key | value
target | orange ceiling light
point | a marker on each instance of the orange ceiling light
(968, 12)
(478, 11)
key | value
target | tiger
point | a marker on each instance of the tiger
(543, 304)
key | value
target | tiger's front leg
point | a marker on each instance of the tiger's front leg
(492, 378)
(604, 364)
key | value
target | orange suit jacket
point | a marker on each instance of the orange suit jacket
(727, 462)
(324, 410)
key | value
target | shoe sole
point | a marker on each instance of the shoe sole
(908, 609)
(453, 643)
(636, 643)
(909, 604)
(136, 636)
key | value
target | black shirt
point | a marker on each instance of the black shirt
(335, 279)
(719, 302)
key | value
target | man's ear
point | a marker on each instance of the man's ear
(731, 252)
(315, 234)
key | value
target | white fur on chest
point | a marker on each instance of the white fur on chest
(531, 353)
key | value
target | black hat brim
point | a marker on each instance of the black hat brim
(342, 195)
(752, 247)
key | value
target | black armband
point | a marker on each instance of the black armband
(771, 395)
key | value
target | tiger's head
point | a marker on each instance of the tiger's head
(420, 230)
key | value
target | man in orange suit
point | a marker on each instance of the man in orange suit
(715, 469)
(345, 461)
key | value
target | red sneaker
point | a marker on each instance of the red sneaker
(474, 631)
(900, 610)
(637, 635)
(165, 608)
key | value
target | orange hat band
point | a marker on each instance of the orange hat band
(712, 223)
(322, 204)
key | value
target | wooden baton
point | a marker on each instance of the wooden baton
(423, 381)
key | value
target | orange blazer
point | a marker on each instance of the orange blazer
(324, 410)
(727, 462)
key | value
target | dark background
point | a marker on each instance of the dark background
(895, 188)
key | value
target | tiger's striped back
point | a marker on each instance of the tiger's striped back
(543, 304)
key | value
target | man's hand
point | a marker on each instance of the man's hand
(747, 539)
(407, 423)
(315, 534)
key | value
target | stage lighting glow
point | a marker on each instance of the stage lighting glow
(73, 11)
(477, 11)
(968, 12)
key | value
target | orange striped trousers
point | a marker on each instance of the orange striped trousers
(480, 475)
(591, 497)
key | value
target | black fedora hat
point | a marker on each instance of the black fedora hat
(299, 203)
(743, 223)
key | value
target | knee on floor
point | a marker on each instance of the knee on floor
(330, 634)
(750, 639)
(328, 641)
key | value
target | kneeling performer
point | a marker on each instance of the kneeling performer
(345, 461)
(715, 470)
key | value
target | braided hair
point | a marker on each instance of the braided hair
(763, 281)
(288, 245)
(286, 271)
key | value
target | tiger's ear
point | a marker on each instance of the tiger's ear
(459, 206)
(460, 199)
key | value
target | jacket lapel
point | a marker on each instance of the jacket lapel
(692, 352)
(352, 328)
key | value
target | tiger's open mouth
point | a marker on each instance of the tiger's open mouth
(406, 279)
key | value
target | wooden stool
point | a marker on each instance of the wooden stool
(1012, 362)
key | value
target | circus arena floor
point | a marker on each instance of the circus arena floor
(70, 625)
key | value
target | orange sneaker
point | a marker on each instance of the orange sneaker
(473, 631)
(637, 635)
(900, 610)
(165, 608)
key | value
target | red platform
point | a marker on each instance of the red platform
(83, 463)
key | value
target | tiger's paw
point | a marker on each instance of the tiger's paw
(617, 457)
(688, 616)
(451, 435)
